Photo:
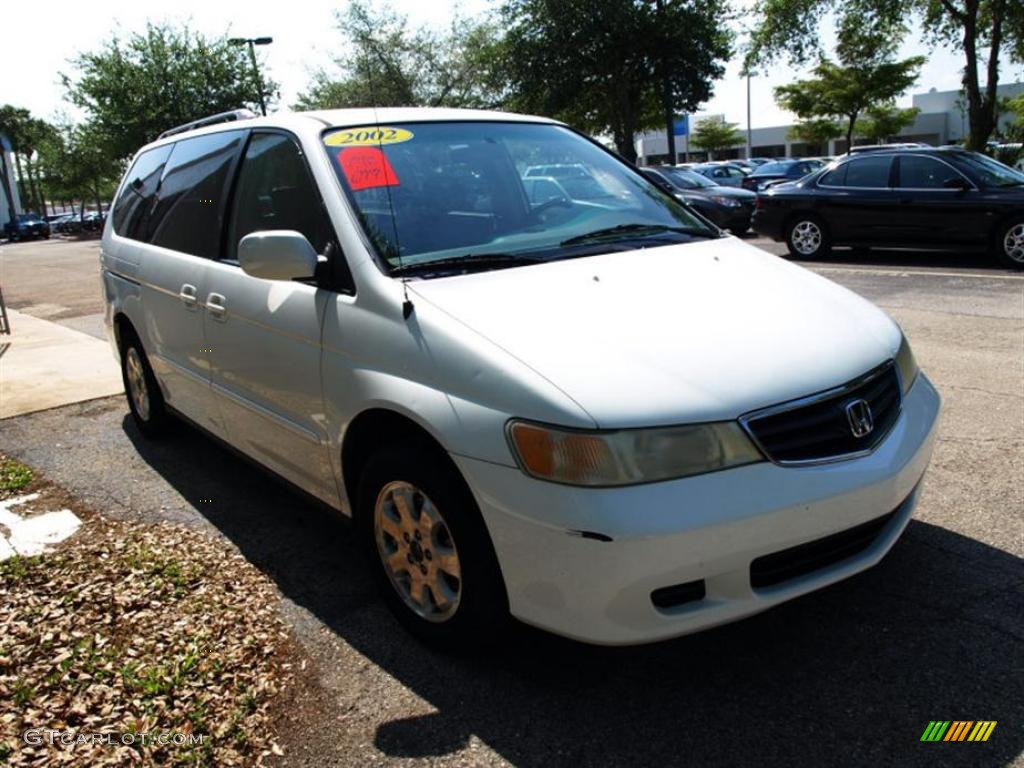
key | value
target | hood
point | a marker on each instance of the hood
(692, 332)
(737, 193)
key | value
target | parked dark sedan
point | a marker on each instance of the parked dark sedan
(728, 207)
(916, 198)
(779, 171)
(26, 226)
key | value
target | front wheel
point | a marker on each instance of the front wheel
(429, 548)
(145, 400)
(1009, 244)
(807, 238)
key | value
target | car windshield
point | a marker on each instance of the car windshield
(451, 192)
(685, 179)
(28, 218)
(771, 168)
(992, 172)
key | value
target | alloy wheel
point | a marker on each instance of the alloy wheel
(806, 237)
(1013, 242)
(136, 377)
(417, 551)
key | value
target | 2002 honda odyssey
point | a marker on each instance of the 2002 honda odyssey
(589, 409)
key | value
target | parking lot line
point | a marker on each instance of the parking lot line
(909, 272)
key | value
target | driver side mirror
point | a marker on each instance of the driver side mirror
(277, 254)
(956, 182)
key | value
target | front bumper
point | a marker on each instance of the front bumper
(597, 586)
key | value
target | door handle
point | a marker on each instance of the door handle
(215, 305)
(187, 294)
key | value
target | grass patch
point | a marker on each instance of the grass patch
(17, 568)
(13, 475)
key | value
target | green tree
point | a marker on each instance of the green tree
(884, 120)
(818, 131)
(984, 30)
(133, 89)
(391, 65)
(612, 66)
(865, 76)
(76, 164)
(1015, 106)
(714, 135)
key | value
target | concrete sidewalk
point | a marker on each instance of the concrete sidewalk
(48, 365)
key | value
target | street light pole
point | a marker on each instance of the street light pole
(750, 148)
(252, 42)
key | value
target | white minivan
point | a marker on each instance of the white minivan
(596, 413)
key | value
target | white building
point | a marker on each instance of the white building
(942, 120)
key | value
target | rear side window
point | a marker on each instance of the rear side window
(190, 204)
(868, 172)
(131, 211)
(275, 191)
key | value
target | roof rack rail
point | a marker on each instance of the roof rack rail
(221, 117)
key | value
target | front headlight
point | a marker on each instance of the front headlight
(728, 202)
(628, 456)
(906, 364)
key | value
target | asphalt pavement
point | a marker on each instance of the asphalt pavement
(847, 676)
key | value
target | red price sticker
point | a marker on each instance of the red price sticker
(366, 168)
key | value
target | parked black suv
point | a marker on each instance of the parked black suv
(927, 198)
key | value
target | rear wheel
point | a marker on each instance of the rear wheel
(145, 400)
(429, 549)
(807, 238)
(1009, 244)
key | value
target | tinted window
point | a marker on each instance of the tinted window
(275, 191)
(868, 172)
(131, 211)
(924, 173)
(190, 203)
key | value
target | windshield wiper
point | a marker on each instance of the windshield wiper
(466, 263)
(640, 230)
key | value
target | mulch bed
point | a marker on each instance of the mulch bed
(153, 635)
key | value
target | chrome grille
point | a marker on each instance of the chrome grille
(818, 428)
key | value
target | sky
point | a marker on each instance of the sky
(35, 49)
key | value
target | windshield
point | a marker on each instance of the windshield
(28, 218)
(992, 172)
(771, 168)
(444, 191)
(685, 179)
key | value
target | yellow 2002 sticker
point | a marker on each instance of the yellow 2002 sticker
(368, 137)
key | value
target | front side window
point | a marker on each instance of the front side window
(190, 204)
(917, 172)
(133, 205)
(868, 172)
(275, 191)
(443, 192)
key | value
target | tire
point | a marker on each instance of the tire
(807, 237)
(1009, 243)
(145, 400)
(462, 602)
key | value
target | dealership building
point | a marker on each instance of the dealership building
(942, 120)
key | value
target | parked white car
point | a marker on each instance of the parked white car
(610, 421)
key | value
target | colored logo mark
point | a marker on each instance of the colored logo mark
(958, 730)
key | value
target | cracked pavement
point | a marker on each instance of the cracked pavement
(847, 676)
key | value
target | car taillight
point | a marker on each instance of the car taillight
(759, 202)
